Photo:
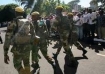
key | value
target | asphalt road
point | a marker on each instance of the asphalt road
(93, 64)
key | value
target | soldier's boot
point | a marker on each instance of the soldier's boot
(83, 50)
(21, 71)
(35, 67)
(39, 56)
(27, 70)
(50, 60)
(55, 55)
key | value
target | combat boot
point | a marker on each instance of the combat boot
(27, 70)
(55, 55)
(50, 60)
(21, 71)
(35, 67)
(84, 52)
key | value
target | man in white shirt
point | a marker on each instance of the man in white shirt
(85, 25)
(78, 24)
(91, 22)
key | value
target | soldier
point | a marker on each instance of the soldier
(73, 37)
(42, 32)
(63, 27)
(20, 32)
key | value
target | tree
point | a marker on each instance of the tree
(7, 13)
(1, 7)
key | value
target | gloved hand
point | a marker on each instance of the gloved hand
(6, 59)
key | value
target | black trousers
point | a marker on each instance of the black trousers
(85, 30)
(92, 30)
(1, 40)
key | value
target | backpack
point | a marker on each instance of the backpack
(41, 22)
(22, 32)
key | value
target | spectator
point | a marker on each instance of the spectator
(85, 25)
(91, 23)
(101, 24)
(78, 23)
(80, 27)
(1, 39)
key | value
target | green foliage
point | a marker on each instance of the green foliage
(1, 7)
(8, 5)
(11, 5)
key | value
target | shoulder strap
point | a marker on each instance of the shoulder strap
(16, 28)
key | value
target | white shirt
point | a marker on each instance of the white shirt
(85, 18)
(91, 17)
(94, 16)
(76, 18)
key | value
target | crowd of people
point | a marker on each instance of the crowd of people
(33, 35)
(89, 24)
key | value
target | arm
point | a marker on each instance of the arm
(7, 42)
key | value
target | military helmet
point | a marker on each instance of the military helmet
(19, 9)
(35, 13)
(70, 14)
(59, 8)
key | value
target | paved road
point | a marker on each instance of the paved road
(95, 64)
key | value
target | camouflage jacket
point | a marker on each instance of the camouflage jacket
(62, 23)
(41, 30)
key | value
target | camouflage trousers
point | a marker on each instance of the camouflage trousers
(42, 46)
(71, 39)
(21, 53)
(64, 42)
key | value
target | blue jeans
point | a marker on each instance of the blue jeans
(79, 32)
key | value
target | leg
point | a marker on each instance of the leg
(58, 50)
(1, 40)
(93, 30)
(43, 49)
(17, 62)
(35, 58)
(26, 56)
(81, 32)
(72, 61)
(80, 47)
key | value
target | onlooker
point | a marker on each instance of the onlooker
(1, 39)
(91, 23)
(101, 24)
(78, 23)
(85, 25)
(80, 27)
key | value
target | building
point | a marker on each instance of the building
(93, 5)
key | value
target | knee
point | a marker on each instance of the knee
(17, 65)
(26, 62)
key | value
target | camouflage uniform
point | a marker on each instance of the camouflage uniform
(42, 33)
(21, 52)
(73, 38)
(63, 27)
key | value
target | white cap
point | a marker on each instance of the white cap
(74, 10)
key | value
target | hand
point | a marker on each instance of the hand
(6, 59)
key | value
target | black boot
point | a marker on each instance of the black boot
(84, 52)
(35, 66)
(55, 55)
